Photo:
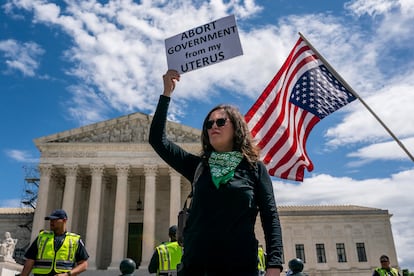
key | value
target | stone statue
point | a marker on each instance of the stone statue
(7, 247)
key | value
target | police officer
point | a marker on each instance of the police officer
(166, 256)
(385, 269)
(56, 252)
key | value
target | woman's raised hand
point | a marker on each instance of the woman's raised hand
(170, 77)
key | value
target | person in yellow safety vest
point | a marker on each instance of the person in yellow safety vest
(261, 255)
(166, 256)
(56, 252)
(385, 269)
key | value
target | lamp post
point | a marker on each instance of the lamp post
(139, 202)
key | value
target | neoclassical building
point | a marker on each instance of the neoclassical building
(118, 194)
(121, 197)
(337, 240)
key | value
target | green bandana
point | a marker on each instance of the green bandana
(222, 166)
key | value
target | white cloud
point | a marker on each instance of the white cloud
(119, 48)
(386, 151)
(84, 98)
(21, 156)
(392, 24)
(22, 57)
(371, 7)
(118, 58)
(10, 203)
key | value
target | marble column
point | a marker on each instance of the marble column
(42, 199)
(71, 172)
(92, 227)
(121, 213)
(175, 196)
(148, 235)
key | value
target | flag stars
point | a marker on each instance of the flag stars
(320, 86)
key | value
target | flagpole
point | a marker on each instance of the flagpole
(349, 88)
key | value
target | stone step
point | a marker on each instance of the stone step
(138, 272)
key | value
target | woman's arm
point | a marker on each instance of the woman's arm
(270, 220)
(182, 161)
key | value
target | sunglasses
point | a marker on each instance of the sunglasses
(219, 122)
(384, 261)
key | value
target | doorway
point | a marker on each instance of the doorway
(134, 250)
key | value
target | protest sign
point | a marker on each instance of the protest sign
(204, 45)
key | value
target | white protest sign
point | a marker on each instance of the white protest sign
(204, 45)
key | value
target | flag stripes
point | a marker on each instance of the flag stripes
(296, 99)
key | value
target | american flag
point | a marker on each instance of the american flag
(302, 93)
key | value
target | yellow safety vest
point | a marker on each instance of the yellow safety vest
(262, 263)
(383, 272)
(169, 256)
(47, 259)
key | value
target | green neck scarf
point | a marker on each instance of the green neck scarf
(222, 166)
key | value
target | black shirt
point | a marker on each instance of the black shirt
(154, 263)
(219, 233)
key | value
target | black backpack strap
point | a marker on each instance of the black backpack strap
(198, 172)
(183, 214)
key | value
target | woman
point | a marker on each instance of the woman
(233, 186)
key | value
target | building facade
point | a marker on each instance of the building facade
(121, 197)
(337, 240)
(118, 194)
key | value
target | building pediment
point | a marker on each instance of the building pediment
(132, 128)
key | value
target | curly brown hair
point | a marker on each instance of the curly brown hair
(242, 140)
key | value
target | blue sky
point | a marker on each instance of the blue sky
(65, 64)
